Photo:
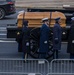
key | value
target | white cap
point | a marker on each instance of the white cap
(72, 18)
(45, 19)
(21, 12)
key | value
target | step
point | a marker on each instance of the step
(3, 25)
(2, 28)
(8, 39)
(3, 31)
(43, 3)
(3, 35)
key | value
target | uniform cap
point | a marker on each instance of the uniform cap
(45, 19)
(72, 18)
(57, 19)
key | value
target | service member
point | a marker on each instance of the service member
(44, 37)
(57, 32)
(70, 47)
(25, 39)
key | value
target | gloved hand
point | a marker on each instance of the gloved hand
(73, 41)
(27, 43)
(45, 42)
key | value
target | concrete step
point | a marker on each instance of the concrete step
(3, 25)
(3, 35)
(43, 3)
(3, 32)
(8, 39)
(2, 28)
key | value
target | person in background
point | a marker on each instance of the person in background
(70, 46)
(57, 34)
(44, 38)
(25, 38)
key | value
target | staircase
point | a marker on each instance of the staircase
(3, 32)
(45, 3)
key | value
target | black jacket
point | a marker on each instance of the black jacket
(70, 46)
(57, 34)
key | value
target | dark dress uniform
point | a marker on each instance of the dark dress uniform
(19, 41)
(57, 33)
(44, 40)
(25, 39)
(70, 47)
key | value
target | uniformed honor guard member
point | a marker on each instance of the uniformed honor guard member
(70, 47)
(44, 37)
(57, 33)
(25, 39)
(19, 41)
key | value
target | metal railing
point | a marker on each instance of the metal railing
(60, 74)
(62, 67)
(20, 66)
(9, 66)
(18, 73)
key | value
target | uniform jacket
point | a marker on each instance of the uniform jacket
(70, 47)
(57, 32)
(25, 39)
(44, 38)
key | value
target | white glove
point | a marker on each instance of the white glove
(45, 42)
(27, 44)
(72, 41)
